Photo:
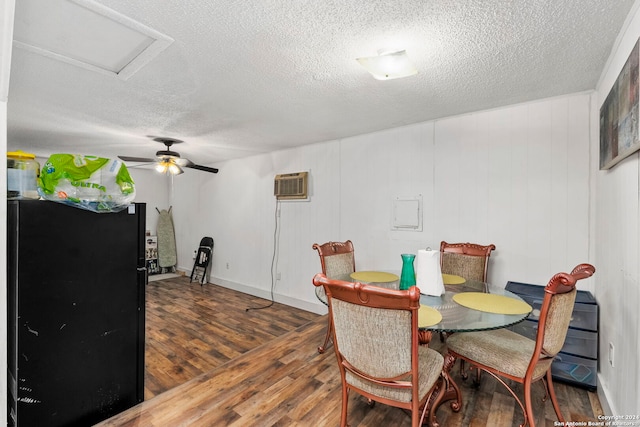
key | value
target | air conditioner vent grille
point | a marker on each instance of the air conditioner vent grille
(291, 186)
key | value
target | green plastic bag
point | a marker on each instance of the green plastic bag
(94, 183)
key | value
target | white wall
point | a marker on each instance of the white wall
(152, 188)
(616, 243)
(237, 208)
(517, 177)
(7, 8)
(3, 263)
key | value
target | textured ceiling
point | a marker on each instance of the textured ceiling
(253, 76)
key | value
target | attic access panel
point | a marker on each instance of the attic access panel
(99, 39)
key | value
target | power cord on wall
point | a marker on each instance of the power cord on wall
(276, 237)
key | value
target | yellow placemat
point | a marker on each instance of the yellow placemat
(428, 316)
(374, 276)
(492, 303)
(452, 279)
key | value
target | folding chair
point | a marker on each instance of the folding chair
(202, 261)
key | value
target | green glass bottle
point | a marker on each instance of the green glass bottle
(408, 275)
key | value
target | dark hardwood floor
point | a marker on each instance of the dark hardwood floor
(192, 329)
(212, 363)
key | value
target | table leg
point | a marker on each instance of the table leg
(446, 391)
(424, 337)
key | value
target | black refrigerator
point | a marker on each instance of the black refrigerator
(76, 297)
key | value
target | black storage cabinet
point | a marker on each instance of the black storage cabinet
(75, 290)
(577, 362)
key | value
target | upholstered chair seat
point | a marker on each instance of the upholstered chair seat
(502, 350)
(429, 366)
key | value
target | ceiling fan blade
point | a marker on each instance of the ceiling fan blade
(136, 159)
(182, 162)
(201, 168)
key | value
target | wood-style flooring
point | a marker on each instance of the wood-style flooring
(212, 363)
(192, 329)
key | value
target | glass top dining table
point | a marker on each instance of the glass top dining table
(455, 317)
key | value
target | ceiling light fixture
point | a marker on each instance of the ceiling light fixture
(162, 167)
(168, 167)
(174, 169)
(388, 65)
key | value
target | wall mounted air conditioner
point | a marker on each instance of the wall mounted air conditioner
(291, 186)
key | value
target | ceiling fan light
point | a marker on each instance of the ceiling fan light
(174, 169)
(389, 65)
(162, 167)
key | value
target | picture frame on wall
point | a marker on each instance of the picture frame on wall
(619, 120)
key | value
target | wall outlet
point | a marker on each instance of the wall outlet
(278, 276)
(611, 355)
(227, 266)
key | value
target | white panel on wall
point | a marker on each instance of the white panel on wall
(508, 195)
(578, 185)
(502, 177)
(538, 189)
(375, 169)
(617, 286)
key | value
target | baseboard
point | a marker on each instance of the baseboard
(603, 396)
(162, 276)
(312, 307)
(318, 308)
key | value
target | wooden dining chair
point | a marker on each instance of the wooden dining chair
(504, 353)
(337, 259)
(377, 346)
(468, 260)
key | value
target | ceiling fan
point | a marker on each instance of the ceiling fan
(168, 161)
